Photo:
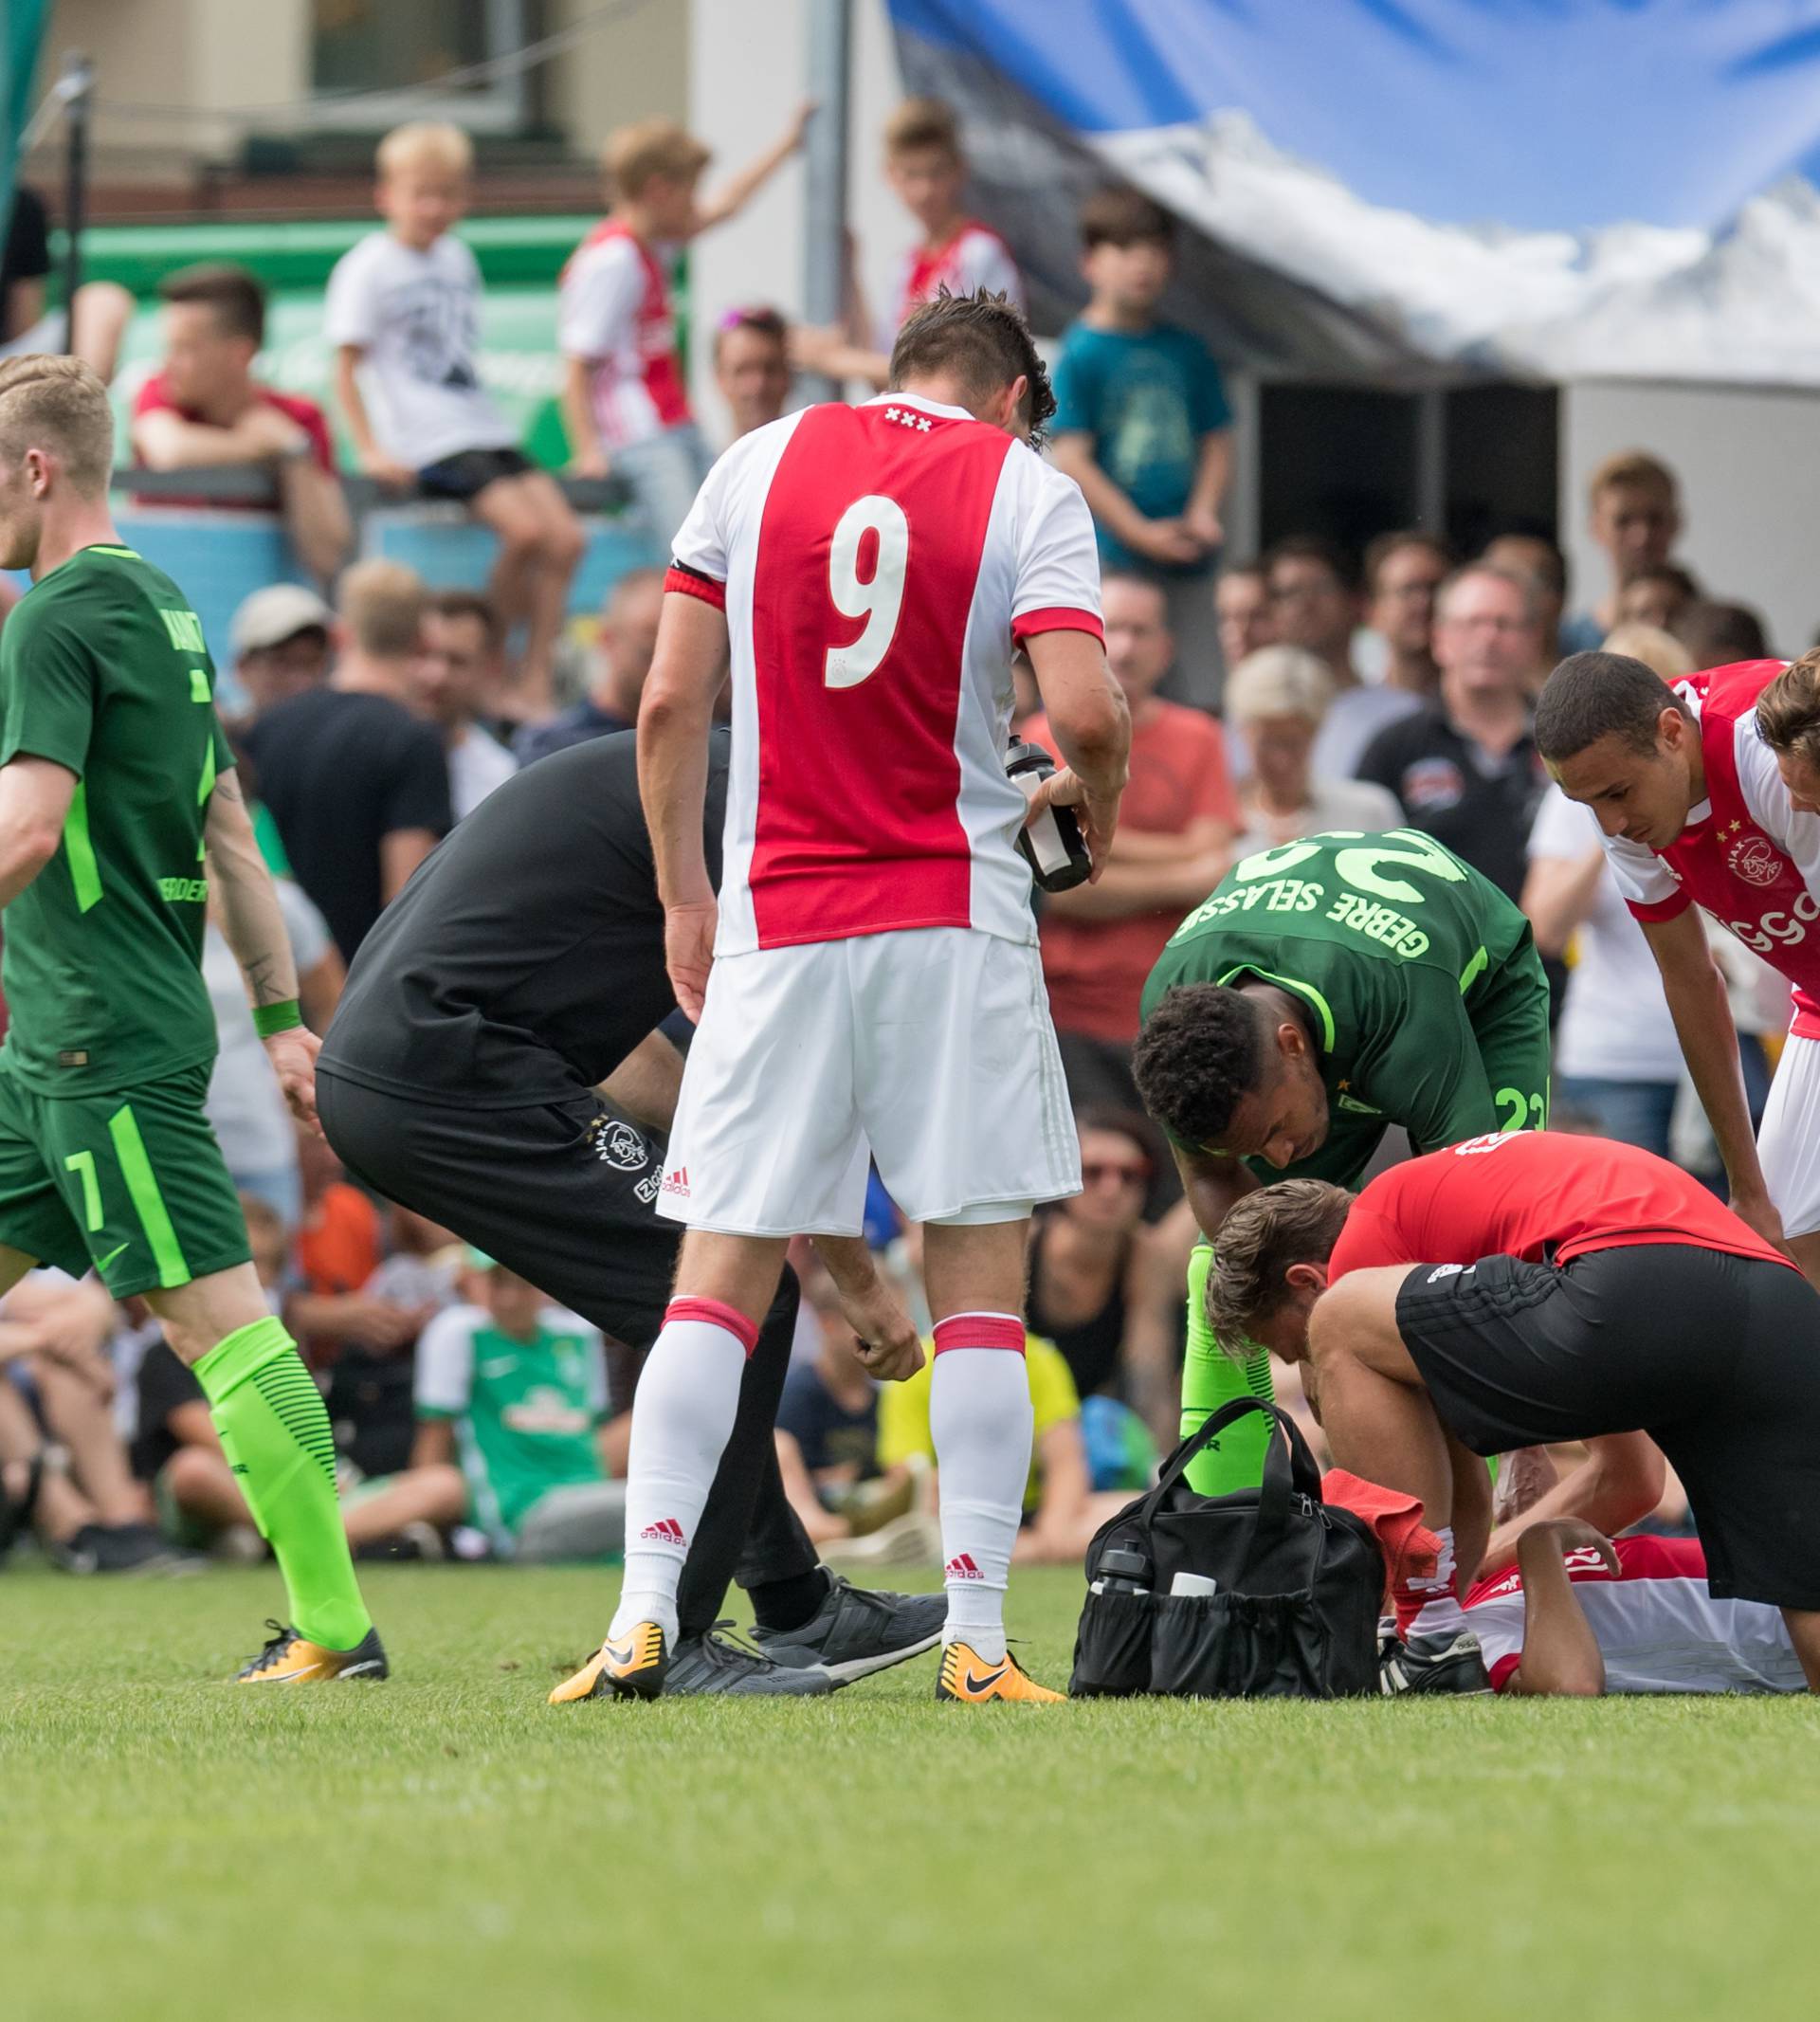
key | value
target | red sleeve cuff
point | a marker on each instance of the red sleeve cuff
(688, 583)
(1663, 909)
(1503, 1670)
(1060, 619)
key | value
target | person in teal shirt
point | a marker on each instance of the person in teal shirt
(1142, 426)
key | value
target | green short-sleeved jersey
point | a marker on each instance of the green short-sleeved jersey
(102, 668)
(1423, 987)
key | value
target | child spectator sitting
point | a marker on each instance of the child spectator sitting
(404, 314)
(1142, 426)
(927, 169)
(625, 395)
(511, 1402)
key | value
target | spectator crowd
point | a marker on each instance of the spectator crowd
(1272, 696)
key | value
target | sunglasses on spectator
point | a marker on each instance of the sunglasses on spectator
(1134, 1174)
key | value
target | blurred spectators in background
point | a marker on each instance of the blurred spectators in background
(1242, 611)
(1718, 635)
(1617, 1061)
(1634, 513)
(624, 390)
(1315, 605)
(1464, 768)
(403, 312)
(280, 637)
(1142, 426)
(203, 406)
(751, 367)
(1402, 572)
(1176, 823)
(28, 323)
(356, 783)
(458, 675)
(1105, 1288)
(1540, 561)
(927, 171)
(625, 640)
(1275, 701)
(1658, 597)
(246, 1107)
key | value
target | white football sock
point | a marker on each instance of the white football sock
(688, 1396)
(980, 1418)
(1441, 1613)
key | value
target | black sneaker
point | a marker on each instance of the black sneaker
(701, 1665)
(1451, 1662)
(137, 1548)
(856, 1632)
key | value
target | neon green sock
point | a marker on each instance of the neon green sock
(276, 1438)
(1210, 1377)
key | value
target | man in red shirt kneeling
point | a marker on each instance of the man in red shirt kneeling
(1527, 1290)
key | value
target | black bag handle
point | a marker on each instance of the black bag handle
(1288, 1465)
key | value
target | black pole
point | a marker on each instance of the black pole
(78, 83)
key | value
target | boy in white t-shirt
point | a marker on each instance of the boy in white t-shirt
(625, 392)
(404, 315)
(926, 167)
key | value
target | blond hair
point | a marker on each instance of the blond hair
(1297, 1221)
(57, 403)
(381, 603)
(634, 156)
(1278, 681)
(1788, 711)
(1660, 652)
(431, 140)
(1633, 470)
(923, 123)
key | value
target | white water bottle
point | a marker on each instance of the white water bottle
(1052, 844)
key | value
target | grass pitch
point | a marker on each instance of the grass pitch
(447, 1845)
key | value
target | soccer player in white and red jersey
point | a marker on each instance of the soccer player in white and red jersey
(1579, 1615)
(927, 171)
(625, 394)
(1707, 795)
(869, 985)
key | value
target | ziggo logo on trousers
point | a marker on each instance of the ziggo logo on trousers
(1786, 930)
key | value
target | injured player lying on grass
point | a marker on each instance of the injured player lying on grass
(1528, 1290)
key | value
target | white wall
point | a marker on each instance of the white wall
(748, 66)
(1749, 465)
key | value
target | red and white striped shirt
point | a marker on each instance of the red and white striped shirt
(877, 565)
(613, 310)
(1657, 1625)
(976, 257)
(1746, 856)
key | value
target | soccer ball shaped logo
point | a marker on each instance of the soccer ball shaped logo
(1754, 862)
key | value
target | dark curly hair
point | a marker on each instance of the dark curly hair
(1201, 1051)
(984, 341)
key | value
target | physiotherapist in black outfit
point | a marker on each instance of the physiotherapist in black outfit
(520, 973)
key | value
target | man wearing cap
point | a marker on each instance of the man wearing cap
(280, 641)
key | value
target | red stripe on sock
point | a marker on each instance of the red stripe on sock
(714, 1312)
(979, 1330)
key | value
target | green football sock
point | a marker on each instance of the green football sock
(1210, 1377)
(276, 1435)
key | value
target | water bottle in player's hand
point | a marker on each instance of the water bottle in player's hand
(1052, 844)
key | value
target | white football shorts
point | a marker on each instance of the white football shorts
(930, 1050)
(1788, 1145)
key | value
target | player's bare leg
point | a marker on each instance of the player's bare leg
(1381, 1426)
(1804, 1632)
(980, 1417)
(688, 1395)
(276, 1435)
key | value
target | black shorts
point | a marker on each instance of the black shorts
(1716, 1357)
(469, 473)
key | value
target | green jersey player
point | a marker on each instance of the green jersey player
(118, 806)
(1328, 989)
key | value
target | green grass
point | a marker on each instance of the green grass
(447, 1845)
